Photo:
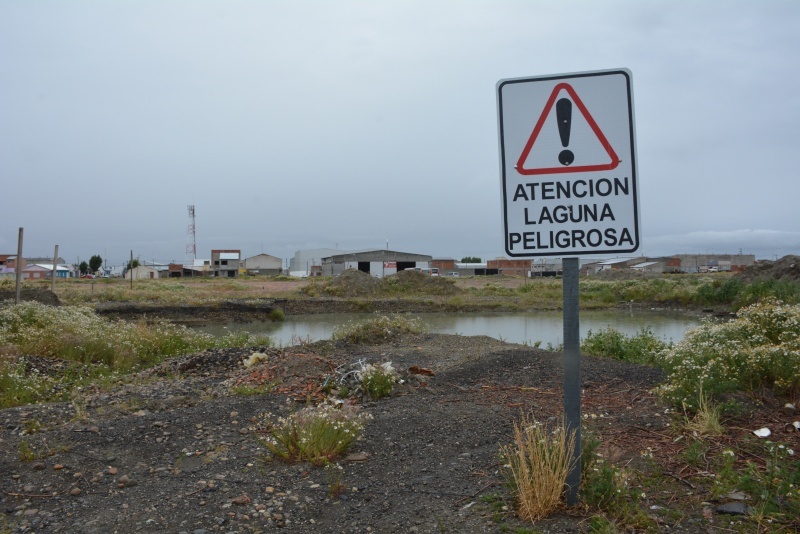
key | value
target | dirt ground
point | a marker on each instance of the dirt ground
(176, 451)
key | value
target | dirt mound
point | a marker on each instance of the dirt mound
(786, 268)
(352, 283)
(624, 274)
(417, 282)
(44, 296)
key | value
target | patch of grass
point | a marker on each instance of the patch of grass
(378, 329)
(31, 426)
(334, 474)
(277, 315)
(28, 452)
(99, 349)
(538, 461)
(247, 390)
(497, 506)
(316, 434)
(609, 490)
(706, 420)
(775, 484)
(642, 348)
(695, 453)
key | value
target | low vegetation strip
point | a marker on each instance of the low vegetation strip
(86, 347)
(758, 349)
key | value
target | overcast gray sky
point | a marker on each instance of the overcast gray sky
(305, 124)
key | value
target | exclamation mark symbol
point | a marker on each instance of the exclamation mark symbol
(564, 118)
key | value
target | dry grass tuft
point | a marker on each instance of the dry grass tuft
(539, 460)
(706, 421)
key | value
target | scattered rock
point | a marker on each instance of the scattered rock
(241, 500)
(357, 457)
(733, 508)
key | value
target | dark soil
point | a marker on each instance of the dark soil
(175, 450)
(786, 268)
(45, 296)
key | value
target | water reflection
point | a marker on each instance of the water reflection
(530, 328)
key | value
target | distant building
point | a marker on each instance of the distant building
(446, 266)
(10, 261)
(541, 267)
(378, 263)
(263, 264)
(197, 268)
(225, 263)
(509, 267)
(471, 269)
(40, 261)
(142, 272)
(700, 263)
(649, 267)
(36, 272)
(309, 262)
(62, 271)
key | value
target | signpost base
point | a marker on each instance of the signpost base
(572, 372)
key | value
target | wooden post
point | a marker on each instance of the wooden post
(19, 268)
(55, 270)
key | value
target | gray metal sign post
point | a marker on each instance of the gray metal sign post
(572, 371)
(570, 188)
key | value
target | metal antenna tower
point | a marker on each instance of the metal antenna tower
(191, 247)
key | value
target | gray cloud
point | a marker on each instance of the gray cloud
(311, 123)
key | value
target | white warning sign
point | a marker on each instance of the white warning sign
(568, 164)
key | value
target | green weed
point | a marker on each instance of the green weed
(642, 348)
(317, 434)
(378, 380)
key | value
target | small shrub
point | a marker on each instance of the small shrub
(378, 329)
(607, 489)
(333, 476)
(538, 461)
(758, 349)
(316, 434)
(643, 348)
(378, 380)
(277, 315)
(775, 484)
(26, 452)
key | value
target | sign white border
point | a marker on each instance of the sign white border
(560, 211)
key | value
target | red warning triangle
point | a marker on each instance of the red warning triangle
(612, 162)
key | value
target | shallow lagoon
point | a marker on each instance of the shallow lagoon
(532, 327)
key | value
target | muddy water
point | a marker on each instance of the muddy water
(529, 328)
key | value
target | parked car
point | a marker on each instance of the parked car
(87, 275)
